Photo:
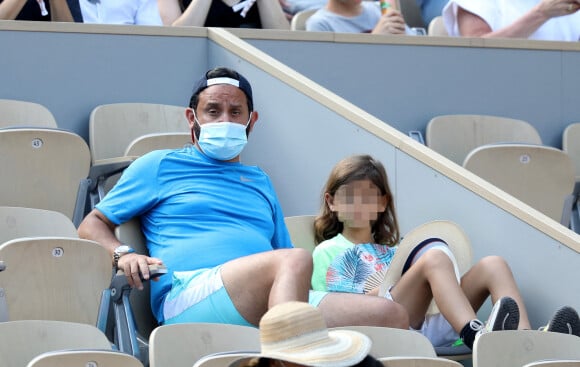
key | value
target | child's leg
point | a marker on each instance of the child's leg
(433, 277)
(493, 276)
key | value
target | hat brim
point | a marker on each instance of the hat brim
(449, 232)
(343, 348)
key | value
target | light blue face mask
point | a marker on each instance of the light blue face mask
(222, 140)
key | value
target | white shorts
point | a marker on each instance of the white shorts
(436, 328)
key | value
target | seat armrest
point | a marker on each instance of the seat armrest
(116, 316)
(104, 168)
(417, 135)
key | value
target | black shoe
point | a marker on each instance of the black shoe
(565, 321)
(505, 315)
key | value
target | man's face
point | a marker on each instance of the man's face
(222, 102)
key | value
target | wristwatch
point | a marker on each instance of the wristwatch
(121, 251)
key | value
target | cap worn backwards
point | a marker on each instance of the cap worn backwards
(229, 77)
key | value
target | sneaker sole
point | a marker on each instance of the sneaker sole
(565, 321)
(507, 316)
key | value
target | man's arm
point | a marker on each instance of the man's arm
(471, 25)
(97, 227)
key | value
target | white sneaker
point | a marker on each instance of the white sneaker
(505, 315)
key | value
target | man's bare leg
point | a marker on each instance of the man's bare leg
(257, 282)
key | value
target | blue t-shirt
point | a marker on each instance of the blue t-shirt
(196, 212)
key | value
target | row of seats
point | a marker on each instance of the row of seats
(32, 294)
(409, 9)
(64, 281)
(56, 248)
(183, 344)
(540, 176)
(509, 154)
(64, 173)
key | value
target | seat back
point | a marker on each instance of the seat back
(437, 27)
(418, 361)
(181, 345)
(149, 142)
(511, 348)
(391, 342)
(16, 222)
(540, 176)
(454, 136)
(85, 358)
(554, 363)
(130, 233)
(301, 229)
(571, 145)
(298, 22)
(145, 144)
(42, 168)
(223, 359)
(53, 278)
(112, 127)
(23, 113)
(22, 341)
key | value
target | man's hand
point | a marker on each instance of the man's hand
(390, 23)
(136, 267)
(557, 8)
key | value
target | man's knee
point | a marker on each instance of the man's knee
(297, 259)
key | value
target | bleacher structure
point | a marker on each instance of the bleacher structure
(321, 126)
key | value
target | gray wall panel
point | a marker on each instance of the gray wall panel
(406, 85)
(71, 73)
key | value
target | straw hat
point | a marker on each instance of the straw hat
(296, 332)
(446, 231)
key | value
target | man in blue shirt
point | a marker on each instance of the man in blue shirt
(217, 225)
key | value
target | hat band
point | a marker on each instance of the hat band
(418, 248)
(305, 339)
(223, 80)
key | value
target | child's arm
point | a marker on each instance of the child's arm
(321, 259)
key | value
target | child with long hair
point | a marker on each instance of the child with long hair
(358, 220)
